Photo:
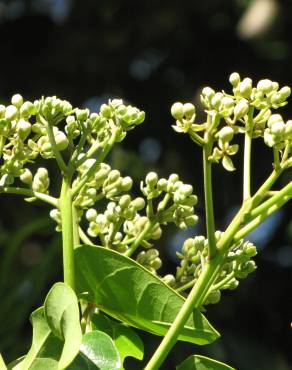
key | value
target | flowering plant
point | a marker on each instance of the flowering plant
(111, 279)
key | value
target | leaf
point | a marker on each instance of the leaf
(126, 340)
(228, 164)
(128, 292)
(56, 331)
(202, 363)
(2, 363)
(97, 351)
(62, 315)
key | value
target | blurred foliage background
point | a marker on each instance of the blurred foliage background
(151, 53)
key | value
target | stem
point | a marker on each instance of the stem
(30, 193)
(84, 237)
(76, 236)
(194, 300)
(209, 200)
(247, 156)
(104, 152)
(223, 281)
(55, 150)
(139, 238)
(67, 232)
(186, 286)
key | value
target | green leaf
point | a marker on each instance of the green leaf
(126, 340)
(97, 351)
(56, 331)
(228, 164)
(62, 315)
(128, 292)
(202, 363)
(2, 363)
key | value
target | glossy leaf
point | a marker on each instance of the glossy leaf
(62, 315)
(128, 292)
(202, 363)
(2, 363)
(126, 340)
(56, 331)
(97, 351)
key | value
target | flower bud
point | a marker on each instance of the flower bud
(11, 112)
(17, 100)
(216, 100)
(55, 214)
(91, 214)
(162, 184)
(138, 204)
(151, 179)
(173, 178)
(234, 79)
(113, 176)
(274, 118)
(177, 111)
(288, 129)
(278, 128)
(106, 111)
(214, 297)
(27, 109)
(226, 134)
(189, 110)
(227, 102)
(125, 201)
(82, 114)
(245, 87)
(127, 183)
(169, 280)
(285, 92)
(188, 245)
(42, 173)
(208, 92)
(26, 177)
(61, 141)
(241, 109)
(265, 86)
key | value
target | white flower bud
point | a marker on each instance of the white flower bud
(11, 112)
(173, 178)
(125, 201)
(61, 141)
(216, 100)
(127, 183)
(265, 86)
(177, 111)
(42, 174)
(227, 102)
(241, 109)
(26, 177)
(113, 176)
(17, 100)
(273, 119)
(91, 214)
(234, 79)
(151, 179)
(208, 92)
(55, 214)
(138, 204)
(245, 87)
(82, 114)
(189, 110)
(288, 129)
(226, 134)
(186, 190)
(285, 92)
(278, 128)
(106, 111)
(27, 109)
(23, 129)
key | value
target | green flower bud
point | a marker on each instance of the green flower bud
(245, 87)
(151, 179)
(127, 183)
(234, 79)
(27, 109)
(17, 100)
(125, 201)
(55, 214)
(169, 280)
(226, 134)
(216, 100)
(186, 190)
(23, 129)
(188, 245)
(106, 111)
(11, 112)
(2, 110)
(191, 220)
(162, 184)
(91, 214)
(42, 173)
(26, 176)
(227, 102)
(285, 92)
(138, 204)
(94, 229)
(177, 111)
(214, 297)
(61, 141)
(82, 114)
(173, 178)
(265, 86)
(241, 109)
(189, 110)
(288, 129)
(113, 176)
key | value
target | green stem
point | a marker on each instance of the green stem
(140, 238)
(84, 237)
(67, 232)
(207, 166)
(91, 171)
(76, 236)
(55, 150)
(186, 286)
(247, 156)
(194, 300)
(30, 193)
(223, 281)
(2, 143)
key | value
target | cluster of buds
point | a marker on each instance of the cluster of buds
(278, 133)
(193, 256)
(178, 201)
(105, 183)
(150, 260)
(247, 109)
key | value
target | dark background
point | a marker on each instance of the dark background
(151, 53)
